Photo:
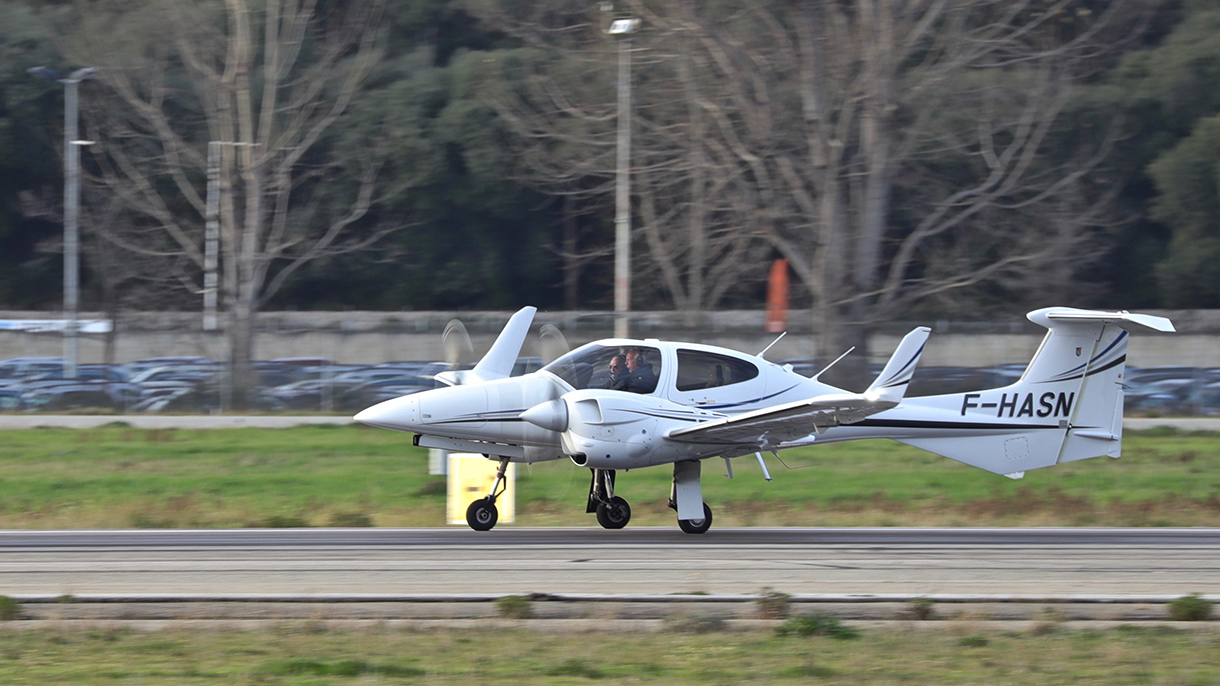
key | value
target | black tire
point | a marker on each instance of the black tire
(482, 515)
(614, 514)
(697, 526)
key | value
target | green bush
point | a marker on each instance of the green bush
(1190, 608)
(695, 623)
(920, 610)
(9, 609)
(514, 607)
(817, 625)
(351, 520)
(284, 522)
(576, 668)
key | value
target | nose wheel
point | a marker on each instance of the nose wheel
(612, 511)
(613, 514)
(482, 514)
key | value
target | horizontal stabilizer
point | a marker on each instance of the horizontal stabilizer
(1069, 313)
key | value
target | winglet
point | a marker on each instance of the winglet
(891, 384)
(498, 362)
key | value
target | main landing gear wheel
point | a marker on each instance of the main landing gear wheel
(482, 514)
(697, 526)
(613, 514)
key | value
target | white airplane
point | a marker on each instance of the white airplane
(681, 403)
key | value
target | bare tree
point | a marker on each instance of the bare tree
(270, 81)
(897, 153)
(696, 251)
(904, 151)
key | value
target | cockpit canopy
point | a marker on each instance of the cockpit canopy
(589, 367)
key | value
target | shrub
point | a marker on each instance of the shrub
(772, 604)
(351, 520)
(920, 610)
(9, 609)
(1190, 608)
(817, 625)
(697, 623)
(284, 522)
(514, 607)
(576, 668)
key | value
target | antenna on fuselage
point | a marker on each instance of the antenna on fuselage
(827, 367)
(764, 350)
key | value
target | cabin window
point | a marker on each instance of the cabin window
(698, 370)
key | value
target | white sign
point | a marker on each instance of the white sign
(54, 325)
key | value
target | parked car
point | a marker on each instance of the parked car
(69, 395)
(19, 368)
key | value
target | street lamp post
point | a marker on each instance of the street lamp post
(71, 207)
(623, 28)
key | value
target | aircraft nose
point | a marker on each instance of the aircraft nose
(399, 414)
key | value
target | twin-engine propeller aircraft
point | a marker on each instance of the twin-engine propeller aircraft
(624, 404)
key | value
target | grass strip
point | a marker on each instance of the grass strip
(958, 653)
(331, 475)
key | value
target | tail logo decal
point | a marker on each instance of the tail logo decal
(1114, 354)
(1023, 404)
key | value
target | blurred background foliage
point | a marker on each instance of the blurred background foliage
(480, 208)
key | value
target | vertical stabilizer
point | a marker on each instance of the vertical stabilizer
(499, 360)
(1088, 349)
(1067, 406)
(891, 384)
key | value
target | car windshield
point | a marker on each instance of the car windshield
(590, 366)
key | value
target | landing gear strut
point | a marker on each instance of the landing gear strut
(612, 511)
(686, 496)
(482, 514)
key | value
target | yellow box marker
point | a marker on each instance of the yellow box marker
(470, 478)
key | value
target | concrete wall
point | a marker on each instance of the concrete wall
(373, 337)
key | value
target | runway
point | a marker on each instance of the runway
(634, 561)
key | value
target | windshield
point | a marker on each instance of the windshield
(624, 368)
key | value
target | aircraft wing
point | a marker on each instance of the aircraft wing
(790, 421)
(771, 426)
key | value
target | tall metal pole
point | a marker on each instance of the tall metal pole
(622, 183)
(71, 206)
(211, 238)
(71, 227)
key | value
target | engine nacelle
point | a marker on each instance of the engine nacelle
(619, 430)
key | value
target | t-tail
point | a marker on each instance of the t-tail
(1067, 406)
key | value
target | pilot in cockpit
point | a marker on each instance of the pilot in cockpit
(640, 376)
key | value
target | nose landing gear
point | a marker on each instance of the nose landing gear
(482, 514)
(612, 511)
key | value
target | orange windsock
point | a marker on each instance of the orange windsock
(777, 297)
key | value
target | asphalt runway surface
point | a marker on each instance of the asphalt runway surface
(644, 561)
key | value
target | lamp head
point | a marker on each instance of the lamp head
(623, 26)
